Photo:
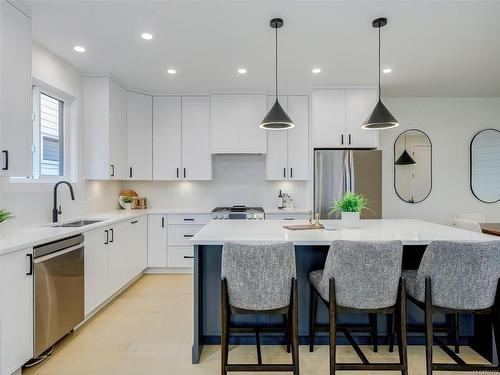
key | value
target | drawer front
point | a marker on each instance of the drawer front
(180, 256)
(179, 235)
(287, 216)
(196, 219)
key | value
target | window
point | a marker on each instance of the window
(48, 134)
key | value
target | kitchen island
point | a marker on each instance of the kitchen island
(311, 248)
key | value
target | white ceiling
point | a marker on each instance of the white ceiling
(435, 48)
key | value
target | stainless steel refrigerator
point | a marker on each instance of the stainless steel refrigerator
(338, 171)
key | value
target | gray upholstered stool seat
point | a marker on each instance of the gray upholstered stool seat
(259, 279)
(455, 277)
(362, 277)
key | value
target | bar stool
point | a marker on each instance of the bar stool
(259, 279)
(361, 277)
(453, 278)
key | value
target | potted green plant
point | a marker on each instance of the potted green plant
(349, 206)
(5, 215)
(127, 201)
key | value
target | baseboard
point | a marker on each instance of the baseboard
(168, 270)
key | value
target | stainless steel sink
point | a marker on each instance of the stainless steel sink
(78, 223)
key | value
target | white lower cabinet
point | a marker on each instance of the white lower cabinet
(169, 239)
(114, 255)
(16, 313)
(287, 216)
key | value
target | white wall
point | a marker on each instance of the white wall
(450, 123)
(237, 179)
(31, 203)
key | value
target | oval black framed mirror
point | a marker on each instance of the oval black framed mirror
(484, 169)
(413, 166)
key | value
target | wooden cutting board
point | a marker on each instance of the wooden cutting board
(303, 227)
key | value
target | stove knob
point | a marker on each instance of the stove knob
(254, 215)
(219, 216)
(261, 216)
(214, 216)
(249, 216)
(225, 216)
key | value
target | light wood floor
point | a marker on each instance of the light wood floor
(148, 330)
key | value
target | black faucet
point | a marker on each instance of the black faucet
(57, 211)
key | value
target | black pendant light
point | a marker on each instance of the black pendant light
(381, 117)
(405, 158)
(276, 118)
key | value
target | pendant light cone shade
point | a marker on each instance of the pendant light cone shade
(381, 117)
(405, 159)
(276, 118)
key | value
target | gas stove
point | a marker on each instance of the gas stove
(238, 213)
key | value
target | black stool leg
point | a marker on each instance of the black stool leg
(456, 335)
(224, 327)
(332, 307)
(428, 326)
(295, 328)
(392, 329)
(402, 339)
(374, 331)
(312, 318)
(287, 332)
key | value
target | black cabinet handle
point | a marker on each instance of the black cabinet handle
(30, 256)
(112, 170)
(184, 172)
(188, 235)
(6, 153)
(188, 257)
(112, 235)
(134, 222)
(188, 219)
(130, 172)
(284, 172)
(107, 237)
(177, 172)
(342, 139)
(163, 222)
(291, 172)
(349, 139)
(288, 218)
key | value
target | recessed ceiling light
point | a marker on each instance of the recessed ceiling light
(242, 70)
(387, 70)
(171, 71)
(79, 49)
(147, 36)
(316, 70)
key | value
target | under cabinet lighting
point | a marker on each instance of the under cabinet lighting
(242, 71)
(79, 49)
(147, 36)
(316, 70)
(171, 71)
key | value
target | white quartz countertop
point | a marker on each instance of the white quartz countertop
(22, 238)
(410, 232)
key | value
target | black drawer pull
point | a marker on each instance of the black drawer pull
(177, 172)
(107, 237)
(30, 256)
(163, 222)
(130, 172)
(112, 170)
(188, 235)
(134, 222)
(342, 139)
(112, 235)
(288, 218)
(188, 219)
(188, 257)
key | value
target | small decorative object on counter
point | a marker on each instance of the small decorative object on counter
(350, 207)
(317, 223)
(126, 193)
(127, 201)
(140, 203)
(310, 217)
(5, 215)
(280, 201)
(287, 201)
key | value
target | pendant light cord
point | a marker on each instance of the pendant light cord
(276, 62)
(379, 86)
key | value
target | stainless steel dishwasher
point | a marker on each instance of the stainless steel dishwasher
(59, 290)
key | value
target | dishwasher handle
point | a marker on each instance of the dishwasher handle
(57, 253)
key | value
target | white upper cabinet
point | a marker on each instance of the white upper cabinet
(15, 92)
(139, 136)
(181, 138)
(338, 115)
(196, 155)
(235, 124)
(167, 138)
(287, 155)
(359, 104)
(105, 138)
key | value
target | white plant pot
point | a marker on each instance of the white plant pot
(350, 219)
(128, 206)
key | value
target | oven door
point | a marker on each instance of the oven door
(59, 296)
